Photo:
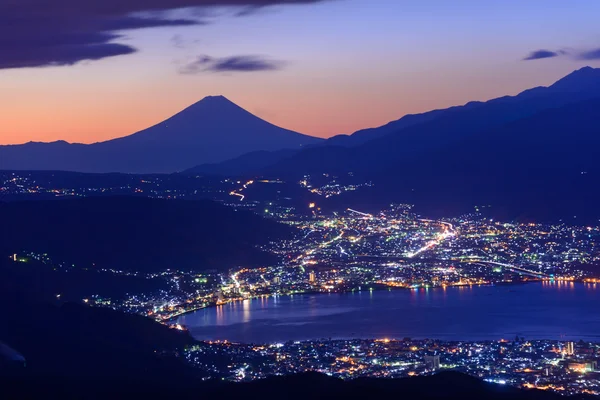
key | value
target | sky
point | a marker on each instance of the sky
(91, 71)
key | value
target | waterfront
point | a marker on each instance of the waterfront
(549, 310)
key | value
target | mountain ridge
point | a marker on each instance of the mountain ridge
(464, 119)
(453, 124)
(541, 168)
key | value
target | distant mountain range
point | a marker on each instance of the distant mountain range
(212, 130)
(534, 155)
(530, 155)
(413, 136)
(446, 127)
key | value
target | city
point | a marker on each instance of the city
(565, 367)
(351, 251)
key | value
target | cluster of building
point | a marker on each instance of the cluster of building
(565, 367)
(356, 250)
(359, 251)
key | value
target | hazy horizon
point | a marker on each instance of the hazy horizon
(266, 119)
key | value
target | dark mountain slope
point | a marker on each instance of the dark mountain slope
(136, 233)
(451, 126)
(212, 130)
(445, 385)
(580, 85)
(247, 164)
(364, 135)
(542, 167)
(76, 341)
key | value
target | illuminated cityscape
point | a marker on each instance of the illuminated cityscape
(352, 251)
(539, 364)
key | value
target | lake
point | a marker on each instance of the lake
(545, 310)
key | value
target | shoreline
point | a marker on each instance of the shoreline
(595, 339)
(378, 288)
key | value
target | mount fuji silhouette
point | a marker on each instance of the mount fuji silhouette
(211, 130)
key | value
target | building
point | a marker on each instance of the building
(432, 362)
(276, 280)
(312, 277)
(570, 349)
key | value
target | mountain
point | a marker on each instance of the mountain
(253, 163)
(212, 130)
(81, 342)
(61, 339)
(442, 386)
(138, 233)
(364, 135)
(544, 168)
(530, 156)
(449, 126)
(413, 136)
(580, 84)
(247, 164)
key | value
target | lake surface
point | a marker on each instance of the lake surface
(536, 311)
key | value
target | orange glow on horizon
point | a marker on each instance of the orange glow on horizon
(91, 120)
(114, 98)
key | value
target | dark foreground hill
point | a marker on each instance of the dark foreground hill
(445, 385)
(139, 234)
(73, 341)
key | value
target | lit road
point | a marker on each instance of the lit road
(236, 282)
(361, 213)
(238, 192)
(447, 233)
(513, 268)
(302, 257)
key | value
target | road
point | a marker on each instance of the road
(514, 268)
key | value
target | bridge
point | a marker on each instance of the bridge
(514, 268)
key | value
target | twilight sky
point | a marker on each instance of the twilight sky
(87, 71)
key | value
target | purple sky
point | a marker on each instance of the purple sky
(86, 71)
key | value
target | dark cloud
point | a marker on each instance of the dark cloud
(64, 55)
(230, 64)
(575, 54)
(590, 55)
(539, 54)
(38, 33)
(248, 10)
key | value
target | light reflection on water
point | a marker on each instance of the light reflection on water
(540, 310)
